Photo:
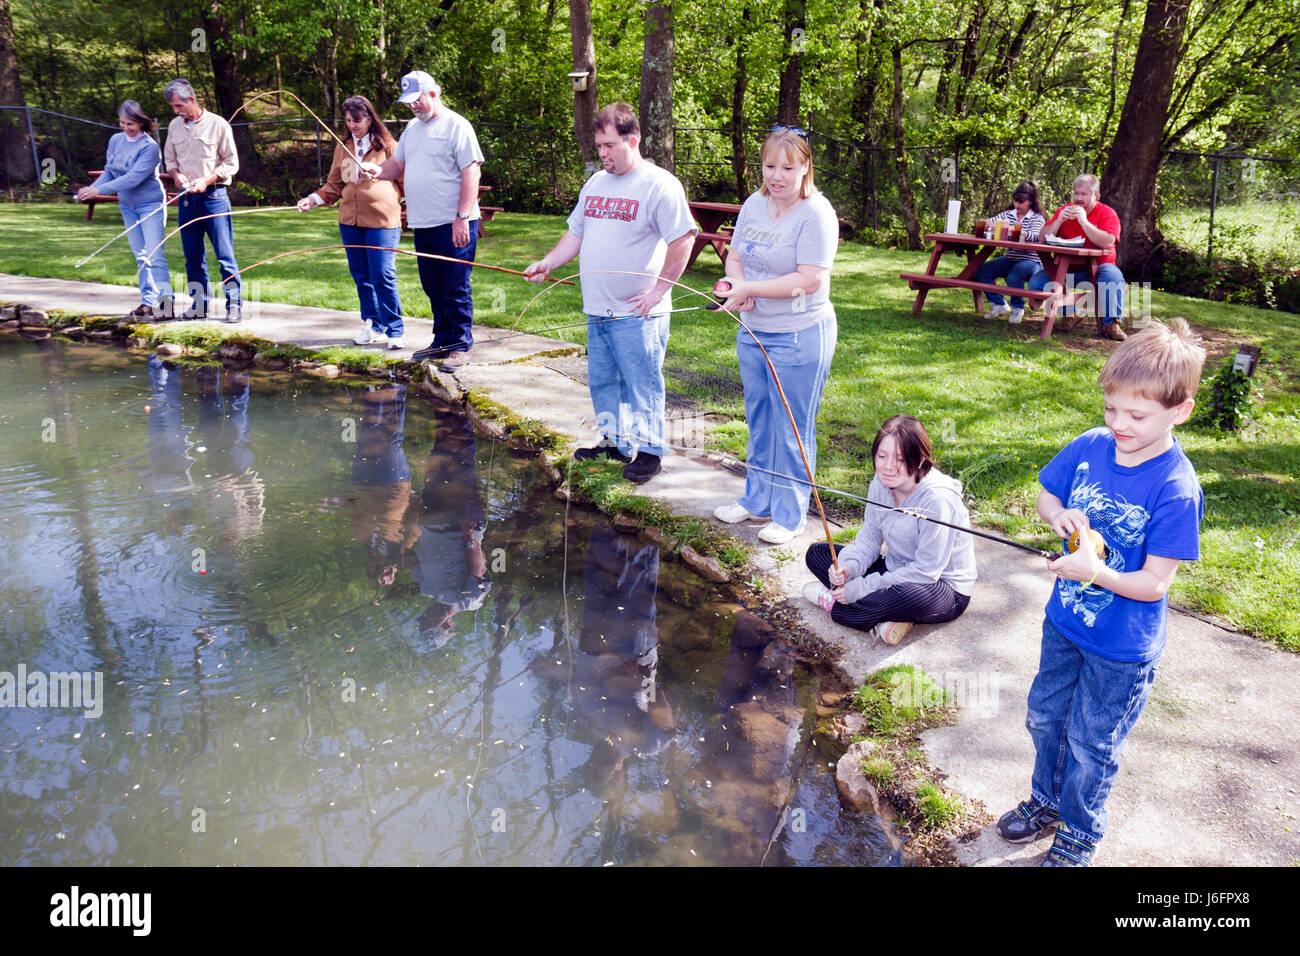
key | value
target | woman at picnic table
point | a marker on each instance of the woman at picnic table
(131, 172)
(899, 570)
(778, 277)
(1015, 265)
(370, 214)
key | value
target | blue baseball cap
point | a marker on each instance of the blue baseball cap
(415, 83)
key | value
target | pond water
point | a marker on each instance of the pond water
(312, 623)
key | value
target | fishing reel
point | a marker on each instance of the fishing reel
(1093, 539)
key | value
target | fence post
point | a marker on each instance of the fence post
(31, 138)
(1214, 201)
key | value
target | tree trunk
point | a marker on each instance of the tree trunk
(381, 49)
(657, 85)
(739, 156)
(15, 143)
(1129, 183)
(787, 106)
(584, 58)
(900, 155)
(225, 79)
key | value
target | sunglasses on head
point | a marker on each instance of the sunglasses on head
(790, 129)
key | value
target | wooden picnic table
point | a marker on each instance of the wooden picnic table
(711, 218)
(90, 203)
(1057, 260)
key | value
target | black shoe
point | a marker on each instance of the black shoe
(604, 449)
(643, 468)
(141, 311)
(1027, 822)
(428, 354)
(1070, 851)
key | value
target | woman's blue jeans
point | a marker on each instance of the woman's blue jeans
(1015, 271)
(1081, 709)
(375, 273)
(146, 224)
(803, 361)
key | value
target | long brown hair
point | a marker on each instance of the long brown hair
(358, 106)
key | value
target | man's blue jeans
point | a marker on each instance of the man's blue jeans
(1109, 294)
(221, 234)
(375, 273)
(625, 362)
(146, 224)
(447, 286)
(1015, 271)
(1081, 708)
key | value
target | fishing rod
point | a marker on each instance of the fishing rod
(357, 245)
(604, 319)
(160, 208)
(721, 307)
(299, 101)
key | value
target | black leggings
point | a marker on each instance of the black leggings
(920, 603)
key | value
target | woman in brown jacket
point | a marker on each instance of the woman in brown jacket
(369, 215)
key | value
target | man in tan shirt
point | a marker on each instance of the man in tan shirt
(200, 156)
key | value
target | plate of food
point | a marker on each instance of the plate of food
(1076, 242)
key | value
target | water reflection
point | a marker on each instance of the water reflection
(447, 557)
(588, 703)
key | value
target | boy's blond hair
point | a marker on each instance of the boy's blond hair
(1162, 363)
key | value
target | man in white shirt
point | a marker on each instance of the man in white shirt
(438, 159)
(632, 217)
(200, 156)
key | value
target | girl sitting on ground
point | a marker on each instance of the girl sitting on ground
(928, 572)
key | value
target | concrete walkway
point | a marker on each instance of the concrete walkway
(1211, 772)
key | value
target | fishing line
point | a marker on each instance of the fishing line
(357, 245)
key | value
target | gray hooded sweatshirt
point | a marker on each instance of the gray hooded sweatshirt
(919, 552)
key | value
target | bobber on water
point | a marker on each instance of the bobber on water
(1094, 539)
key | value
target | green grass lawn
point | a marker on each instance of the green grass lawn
(998, 403)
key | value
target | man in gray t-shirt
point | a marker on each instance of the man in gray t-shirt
(438, 158)
(634, 230)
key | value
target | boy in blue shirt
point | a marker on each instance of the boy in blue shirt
(1105, 621)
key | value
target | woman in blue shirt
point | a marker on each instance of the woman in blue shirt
(131, 172)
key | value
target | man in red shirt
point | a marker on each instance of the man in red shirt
(1099, 226)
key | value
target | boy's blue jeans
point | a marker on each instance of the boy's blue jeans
(1081, 708)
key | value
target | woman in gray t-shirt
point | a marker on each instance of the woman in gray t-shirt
(778, 277)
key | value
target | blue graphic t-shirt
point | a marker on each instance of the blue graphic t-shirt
(1153, 508)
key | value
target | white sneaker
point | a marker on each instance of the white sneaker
(892, 632)
(993, 311)
(368, 336)
(395, 342)
(773, 533)
(733, 513)
(814, 593)
(1015, 316)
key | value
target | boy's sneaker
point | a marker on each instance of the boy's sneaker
(1069, 850)
(1027, 822)
(1016, 316)
(814, 593)
(395, 342)
(993, 311)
